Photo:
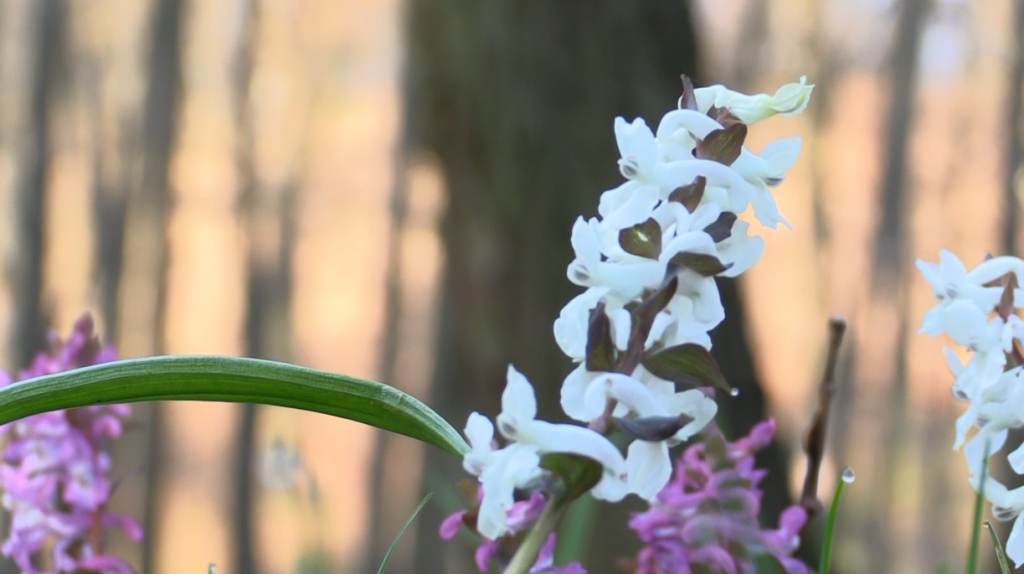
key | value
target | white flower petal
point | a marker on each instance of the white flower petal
(479, 432)
(788, 100)
(518, 400)
(628, 391)
(622, 324)
(573, 322)
(637, 146)
(649, 466)
(952, 361)
(677, 123)
(1015, 542)
(572, 439)
(780, 156)
(573, 393)
(636, 209)
(965, 323)
(695, 404)
(740, 249)
(974, 450)
(963, 424)
(1016, 460)
(611, 488)
(513, 467)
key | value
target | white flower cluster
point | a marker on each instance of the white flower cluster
(649, 263)
(977, 310)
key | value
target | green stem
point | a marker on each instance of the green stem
(972, 552)
(526, 555)
(830, 526)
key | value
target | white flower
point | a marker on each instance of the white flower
(574, 389)
(680, 127)
(789, 100)
(950, 282)
(512, 467)
(480, 433)
(500, 471)
(638, 149)
(626, 280)
(648, 462)
(627, 205)
(997, 409)
(739, 249)
(573, 322)
(517, 422)
(996, 267)
(771, 165)
(768, 170)
(1007, 505)
(681, 321)
(966, 324)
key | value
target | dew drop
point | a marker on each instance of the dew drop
(734, 392)
(848, 475)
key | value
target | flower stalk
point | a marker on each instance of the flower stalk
(526, 556)
(979, 500)
(649, 262)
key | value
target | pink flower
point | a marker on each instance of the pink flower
(707, 514)
(54, 470)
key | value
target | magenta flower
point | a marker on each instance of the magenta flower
(706, 516)
(54, 471)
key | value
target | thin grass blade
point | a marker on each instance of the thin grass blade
(830, 521)
(387, 555)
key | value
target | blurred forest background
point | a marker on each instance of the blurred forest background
(386, 189)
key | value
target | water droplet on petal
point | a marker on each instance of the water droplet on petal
(734, 392)
(848, 475)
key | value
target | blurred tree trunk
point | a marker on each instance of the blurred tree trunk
(516, 99)
(888, 285)
(145, 241)
(109, 203)
(1013, 182)
(258, 275)
(30, 321)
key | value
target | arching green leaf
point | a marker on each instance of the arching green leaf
(236, 380)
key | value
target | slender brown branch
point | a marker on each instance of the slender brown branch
(814, 444)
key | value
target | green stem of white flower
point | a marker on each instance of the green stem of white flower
(979, 502)
(526, 556)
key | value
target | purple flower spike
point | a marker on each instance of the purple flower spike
(706, 516)
(54, 471)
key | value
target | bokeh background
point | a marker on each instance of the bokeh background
(386, 188)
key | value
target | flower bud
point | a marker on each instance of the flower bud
(653, 429)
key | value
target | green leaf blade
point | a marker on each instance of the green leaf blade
(686, 364)
(236, 380)
(1004, 566)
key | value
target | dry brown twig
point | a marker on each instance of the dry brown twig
(814, 443)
